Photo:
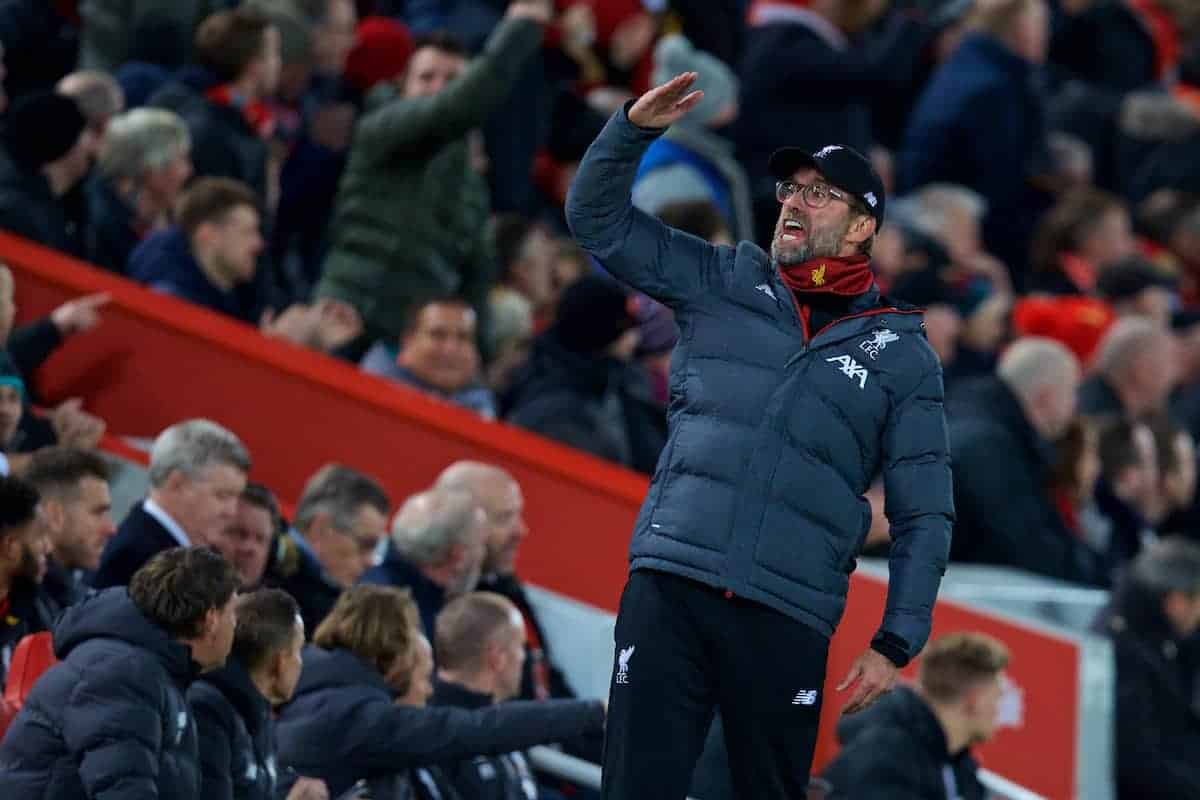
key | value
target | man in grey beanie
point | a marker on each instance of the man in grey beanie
(47, 150)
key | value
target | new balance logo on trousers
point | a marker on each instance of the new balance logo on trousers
(805, 697)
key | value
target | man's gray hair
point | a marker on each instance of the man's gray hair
(1128, 338)
(97, 94)
(142, 140)
(1171, 564)
(431, 522)
(191, 447)
(340, 492)
(929, 207)
(1033, 362)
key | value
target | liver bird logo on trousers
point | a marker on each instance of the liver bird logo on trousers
(623, 664)
(818, 276)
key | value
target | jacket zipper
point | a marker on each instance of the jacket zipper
(803, 310)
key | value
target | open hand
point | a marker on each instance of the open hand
(665, 104)
(79, 315)
(74, 427)
(872, 675)
(309, 789)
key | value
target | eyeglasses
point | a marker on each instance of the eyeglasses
(814, 195)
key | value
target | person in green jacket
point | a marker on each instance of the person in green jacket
(410, 218)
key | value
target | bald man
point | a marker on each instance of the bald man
(1138, 363)
(1002, 429)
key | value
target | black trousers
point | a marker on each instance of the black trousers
(684, 649)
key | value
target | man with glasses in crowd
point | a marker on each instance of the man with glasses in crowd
(793, 385)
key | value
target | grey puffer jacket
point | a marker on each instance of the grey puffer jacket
(774, 436)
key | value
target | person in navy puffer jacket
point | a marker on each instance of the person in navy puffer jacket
(793, 385)
(111, 721)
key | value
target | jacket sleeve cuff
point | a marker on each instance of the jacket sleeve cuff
(652, 132)
(891, 647)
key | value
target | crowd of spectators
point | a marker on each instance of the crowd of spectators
(383, 181)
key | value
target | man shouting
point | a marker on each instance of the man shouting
(793, 385)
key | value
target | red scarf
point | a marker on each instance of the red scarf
(1163, 31)
(258, 115)
(845, 277)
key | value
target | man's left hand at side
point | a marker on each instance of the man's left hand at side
(871, 676)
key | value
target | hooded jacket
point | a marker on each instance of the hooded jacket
(237, 735)
(342, 725)
(110, 722)
(897, 750)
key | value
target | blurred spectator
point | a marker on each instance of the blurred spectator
(388, 251)
(510, 337)
(250, 538)
(112, 713)
(12, 407)
(580, 388)
(429, 781)
(143, 166)
(1152, 621)
(99, 97)
(690, 162)
(1001, 429)
(916, 742)
(379, 51)
(980, 123)
(1134, 286)
(808, 79)
(699, 218)
(333, 36)
(209, 252)
(47, 150)
(233, 705)
(953, 216)
(343, 726)
(22, 564)
(437, 550)
(197, 470)
(480, 647)
(437, 355)
(76, 518)
(1084, 234)
(1127, 494)
(1176, 450)
(340, 524)
(41, 42)
(525, 253)
(111, 27)
(225, 104)
(1076, 470)
(1136, 368)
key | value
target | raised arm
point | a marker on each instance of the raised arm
(669, 265)
(414, 126)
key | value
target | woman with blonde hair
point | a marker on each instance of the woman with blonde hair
(344, 724)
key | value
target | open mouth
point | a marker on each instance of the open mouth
(792, 231)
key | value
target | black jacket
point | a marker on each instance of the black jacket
(237, 735)
(396, 570)
(593, 403)
(342, 725)
(1001, 490)
(60, 589)
(293, 568)
(111, 720)
(111, 231)
(30, 209)
(1157, 709)
(25, 614)
(485, 777)
(139, 538)
(774, 435)
(897, 750)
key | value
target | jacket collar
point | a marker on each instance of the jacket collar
(446, 693)
(233, 681)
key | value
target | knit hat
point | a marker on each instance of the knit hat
(1077, 321)
(9, 375)
(382, 47)
(42, 127)
(675, 54)
(593, 313)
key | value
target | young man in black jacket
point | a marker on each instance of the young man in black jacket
(793, 386)
(111, 719)
(916, 743)
(232, 705)
(22, 560)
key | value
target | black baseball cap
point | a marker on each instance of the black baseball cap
(842, 166)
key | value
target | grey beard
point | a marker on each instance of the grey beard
(826, 246)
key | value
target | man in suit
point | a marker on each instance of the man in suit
(197, 472)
